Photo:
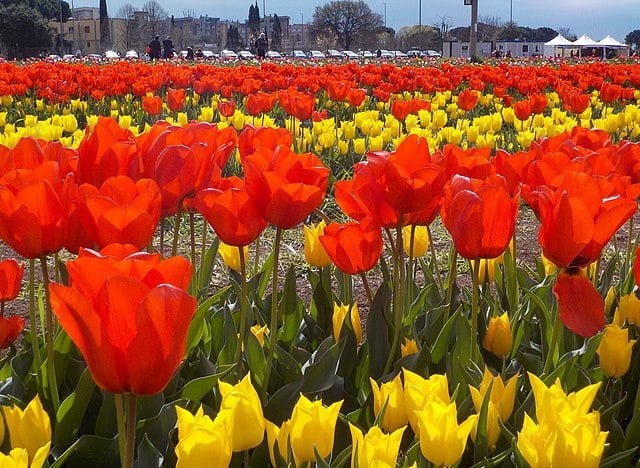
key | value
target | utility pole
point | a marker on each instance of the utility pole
(473, 33)
(420, 14)
(302, 28)
(61, 32)
(511, 12)
(385, 14)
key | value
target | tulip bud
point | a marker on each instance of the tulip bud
(487, 269)
(498, 339)
(493, 426)
(408, 347)
(231, 255)
(339, 314)
(260, 332)
(279, 435)
(375, 448)
(609, 299)
(314, 252)
(201, 440)
(391, 394)
(30, 429)
(312, 426)
(502, 396)
(418, 391)
(420, 240)
(628, 309)
(615, 351)
(248, 421)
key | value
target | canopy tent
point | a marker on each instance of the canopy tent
(584, 41)
(558, 41)
(612, 42)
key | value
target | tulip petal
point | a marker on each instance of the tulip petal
(580, 306)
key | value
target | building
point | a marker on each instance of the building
(516, 48)
(452, 49)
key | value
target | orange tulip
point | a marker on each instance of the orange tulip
(10, 279)
(353, 247)
(152, 105)
(10, 329)
(175, 99)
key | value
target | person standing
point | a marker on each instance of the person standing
(167, 44)
(155, 49)
(261, 46)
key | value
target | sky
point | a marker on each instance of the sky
(596, 18)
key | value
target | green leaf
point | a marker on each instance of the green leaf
(255, 358)
(291, 310)
(72, 410)
(619, 458)
(196, 329)
(481, 446)
(320, 462)
(441, 345)
(342, 458)
(196, 389)
(378, 332)
(319, 373)
(148, 455)
(90, 450)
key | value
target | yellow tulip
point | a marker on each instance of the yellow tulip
(312, 425)
(279, 435)
(231, 255)
(391, 393)
(498, 339)
(359, 146)
(29, 429)
(420, 240)
(442, 440)
(206, 442)
(339, 314)
(260, 332)
(628, 309)
(487, 269)
(408, 347)
(418, 391)
(493, 426)
(374, 447)
(17, 458)
(314, 252)
(244, 404)
(549, 268)
(615, 351)
(502, 396)
(609, 298)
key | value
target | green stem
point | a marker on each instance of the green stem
(346, 289)
(434, 260)
(192, 238)
(176, 232)
(32, 318)
(409, 283)
(398, 275)
(555, 337)
(122, 433)
(203, 252)
(627, 261)
(453, 272)
(48, 337)
(367, 289)
(256, 259)
(130, 446)
(243, 309)
(475, 296)
(274, 316)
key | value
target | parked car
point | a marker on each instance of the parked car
(68, 57)
(316, 54)
(414, 53)
(111, 55)
(209, 55)
(94, 57)
(131, 55)
(53, 57)
(332, 53)
(298, 54)
(399, 54)
(367, 54)
(245, 55)
(386, 54)
(227, 54)
(350, 55)
(272, 54)
(432, 53)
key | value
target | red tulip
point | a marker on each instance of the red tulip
(260, 103)
(131, 330)
(522, 109)
(10, 279)
(31, 211)
(122, 212)
(538, 103)
(467, 100)
(353, 247)
(10, 329)
(152, 105)
(480, 215)
(401, 109)
(105, 151)
(226, 108)
(297, 104)
(232, 213)
(251, 138)
(286, 187)
(175, 99)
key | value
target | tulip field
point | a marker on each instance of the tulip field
(348, 264)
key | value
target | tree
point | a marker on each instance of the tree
(155, 19)
(276, 35)
(23, 27)
(105, 31)
(443, 25)
(346, 21)
(633, 38)
(422, 38)
(254, 20)
(567, 33)
(128, 28)
(488, 28)
(233, 38)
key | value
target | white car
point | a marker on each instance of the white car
(400, 54)
(333, 53)
(432, 53)
(68, 57)
(316, 54)
(298, 54)
(246, 55)
(209, 55)
(94, 57)
(53, 57)
(367, 54)
(227, 54)
(350, 55)
(111, 54)
(272, 54)
(131, 55)
(386, 54)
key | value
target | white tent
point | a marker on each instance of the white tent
(584, 41)
(557, 42)
(612, 42)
